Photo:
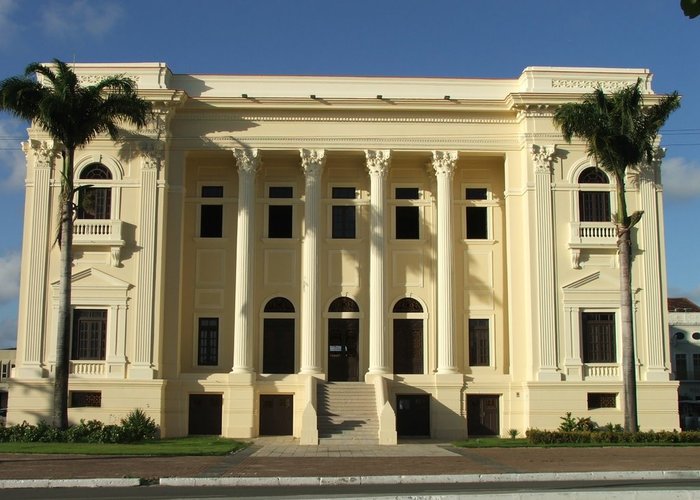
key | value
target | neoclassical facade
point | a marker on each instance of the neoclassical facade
(431, 241)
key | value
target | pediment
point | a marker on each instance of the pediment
(602, 289)
(95, 279)
(582, 282)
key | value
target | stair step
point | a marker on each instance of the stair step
(347, 413)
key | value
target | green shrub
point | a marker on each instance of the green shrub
(137, 426)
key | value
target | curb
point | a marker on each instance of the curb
(114, 482)
(431, 479)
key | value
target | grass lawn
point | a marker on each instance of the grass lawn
(192, 445)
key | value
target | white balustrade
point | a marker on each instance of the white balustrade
(607, 371)
(87, 368)
(98, 232)
(593, 234)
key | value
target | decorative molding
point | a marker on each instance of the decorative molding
(95, 79)
(606, 85)
(582, 281)
(312, 161)
(233, 117)
(247, 160)
(378, 161)
(44, 152)
(444, 162)
(542, 157)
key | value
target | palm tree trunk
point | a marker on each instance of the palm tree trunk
(60, 396)
(629, 368)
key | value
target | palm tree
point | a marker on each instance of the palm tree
(72, 115)
(620, 132)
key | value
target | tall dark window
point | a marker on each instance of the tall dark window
(408, 337)
(95, 202)
(681, 367)
(407, 216)
(208, 342)
(343, 216)
(211, 217)
(593, 206)
(89, 334)
(696, 366)
(278, 336)
(280, 217)
(479, 354)
(598, 336)
(477, 216)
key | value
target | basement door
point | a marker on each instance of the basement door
(343, 343)
(205, 414)
(483, 415)
(276, 415)
(413, 415)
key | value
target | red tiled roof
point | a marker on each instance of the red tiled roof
(681, 304)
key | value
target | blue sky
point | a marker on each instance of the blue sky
(453, 38)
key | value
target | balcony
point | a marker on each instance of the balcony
(100, 233)
(590, 236)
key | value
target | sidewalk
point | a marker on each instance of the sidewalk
(283, 458)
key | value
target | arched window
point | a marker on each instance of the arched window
(95, 202)
(343, 340)
(408, 321)
(278, 336)
(594, 196)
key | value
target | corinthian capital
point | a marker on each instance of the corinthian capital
(44, 152)
(542, 156)
(312, 161)
(444, 162)
(378, 161)
(247, 160)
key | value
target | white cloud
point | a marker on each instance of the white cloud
(76, 18)
(681, 178)
(9, 276)
(12, 160)
(8, 332)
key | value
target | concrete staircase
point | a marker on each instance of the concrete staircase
(347, 413)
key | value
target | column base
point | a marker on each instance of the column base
(549, 375)
(28, 371)
(142, 372)
(657, 375)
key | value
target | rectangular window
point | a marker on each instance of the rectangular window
(477, 216)
(598, 337)
(4, 370)
(479, 354)
(696, 366)
(594, 206)
(95, 203)
(280, 217)
(598, 400)
(208, 342)
(82, 399)
(89, 334)
(343, 216)
(407, 218)
(681, 367)
(211, 216)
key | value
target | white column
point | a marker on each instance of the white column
(378, 166)
(312, 161)
(142, 367)
(34, 281)
(547, 298)
(248, 162)
(444, 165)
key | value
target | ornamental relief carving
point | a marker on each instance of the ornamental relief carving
(44, 152)
(607, 85)
(378, 161)
(247, 160)
(542, 157)
(312, 161)
(444, 162)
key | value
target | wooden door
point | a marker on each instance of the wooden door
(483, 415)
(205, 414)
(276, 414)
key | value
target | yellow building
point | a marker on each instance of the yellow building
(431, 246)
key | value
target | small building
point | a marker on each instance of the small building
(7, 363)
(684, 328)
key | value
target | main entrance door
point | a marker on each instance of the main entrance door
(483, 415)
(343, 343)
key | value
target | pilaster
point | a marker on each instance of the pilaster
(43, 153)
(649, 233)
(542, 157)
(312, 162)
(248, 162)
(444, 165)
(378, 162)
(142, 367)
